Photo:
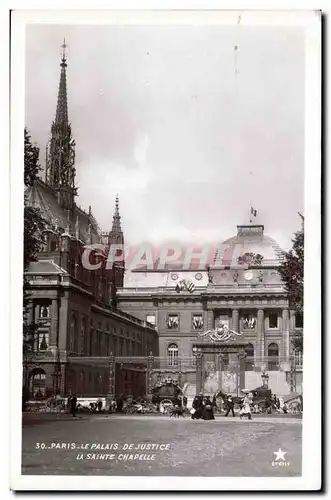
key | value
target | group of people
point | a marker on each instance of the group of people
(202, 408)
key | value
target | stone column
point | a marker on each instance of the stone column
(242, 366)
(235, 320)
(111, 380)
(149, 374)
(210, 319)
(54, 324)
(260, 339)
(286, 338)
(292, 321)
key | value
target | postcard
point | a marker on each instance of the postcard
(169, 185)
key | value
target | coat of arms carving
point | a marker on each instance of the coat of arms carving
(250, 258)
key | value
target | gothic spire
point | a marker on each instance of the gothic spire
(61, 117)
(60, 166)
(116, 228)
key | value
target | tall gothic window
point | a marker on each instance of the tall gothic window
(172, 354)
(82, 336)
(72, 333)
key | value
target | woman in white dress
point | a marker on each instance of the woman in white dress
(246, 409)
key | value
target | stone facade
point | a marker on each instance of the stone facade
(77, 335)
(244, 294)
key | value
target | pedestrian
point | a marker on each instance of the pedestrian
(208, 413)
(99, 404)
(246, 409)
(120, 403)
(197, 405)
(68, 402)
(73, 405)
(229, 406)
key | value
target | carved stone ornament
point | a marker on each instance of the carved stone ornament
(250, 258)
(220, 334)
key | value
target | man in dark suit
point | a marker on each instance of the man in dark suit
(229, 406)
(198, 406)
(73, 405)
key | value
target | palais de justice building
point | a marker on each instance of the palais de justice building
(242, 291)
(110, 331)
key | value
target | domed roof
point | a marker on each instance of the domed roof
(249, 246)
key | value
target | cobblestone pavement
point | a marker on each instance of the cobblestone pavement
(223, 447)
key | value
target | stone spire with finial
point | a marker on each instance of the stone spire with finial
(116, 228)
(77, 228)
(61, 152)
(61, 117)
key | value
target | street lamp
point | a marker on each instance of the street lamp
(197, 354)
(265, 379)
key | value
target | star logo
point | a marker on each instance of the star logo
(280, 455)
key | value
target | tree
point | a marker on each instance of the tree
(34, 225)
(292, 274)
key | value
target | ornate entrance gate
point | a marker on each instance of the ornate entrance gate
(220, 367)
(220, 361)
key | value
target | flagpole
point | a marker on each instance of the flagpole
(250, 212)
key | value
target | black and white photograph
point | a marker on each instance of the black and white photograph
(167, 325)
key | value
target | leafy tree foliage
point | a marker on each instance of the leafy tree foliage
(292, 274)
(34, 225)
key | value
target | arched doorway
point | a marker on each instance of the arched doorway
(37, 383)
(273, 354)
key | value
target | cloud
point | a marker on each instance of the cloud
(185, 131)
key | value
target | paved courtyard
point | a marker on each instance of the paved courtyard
(131, 445)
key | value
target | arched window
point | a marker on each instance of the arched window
(273, 353)
(38, 383)
(249, 357)
(172, 354)
(72, 333)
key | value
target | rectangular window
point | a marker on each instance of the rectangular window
(42, 340)
(151, 318)
(197, 322)
(248, 322)
(44, 311)
(273, 320)
(173, 321)
(299, 320)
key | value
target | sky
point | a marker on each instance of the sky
(189, 125)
